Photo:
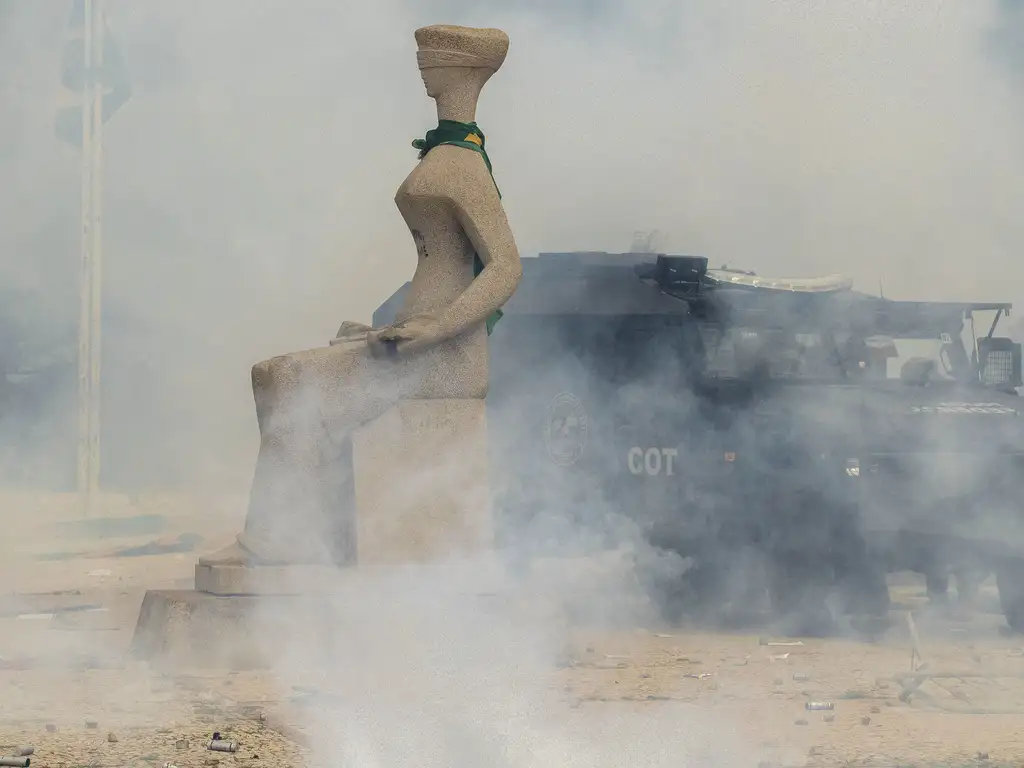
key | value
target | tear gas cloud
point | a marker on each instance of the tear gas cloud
(249, 181)
(248, 210)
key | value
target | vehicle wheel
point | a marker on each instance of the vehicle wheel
(1010, 580)
(937, 584)
(968, 583)
(673, 594)
(861, 580)
(693, 592)
(797, 596)
(867, 595)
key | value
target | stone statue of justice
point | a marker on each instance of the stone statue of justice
(308, 403)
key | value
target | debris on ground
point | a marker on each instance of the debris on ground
(983, 685)
(216, 744)
(818, 706)
(778, 643)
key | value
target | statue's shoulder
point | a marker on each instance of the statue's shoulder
(452, 172)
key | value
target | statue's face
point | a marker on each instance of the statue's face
(435, 79)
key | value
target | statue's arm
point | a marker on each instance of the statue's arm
(482, 216)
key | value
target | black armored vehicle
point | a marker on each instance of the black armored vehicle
(776, 435)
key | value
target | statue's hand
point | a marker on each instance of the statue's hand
(410, 335)
(351, 331)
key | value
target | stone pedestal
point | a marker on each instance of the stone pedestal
(422, 497)
(245, 618)
(187, 629)
(228, 581)
(422, 491)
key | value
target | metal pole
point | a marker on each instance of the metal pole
(96, 276)
(85, 284)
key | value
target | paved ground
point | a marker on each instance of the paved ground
(649, 696)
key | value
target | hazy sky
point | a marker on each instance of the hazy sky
(249, 181)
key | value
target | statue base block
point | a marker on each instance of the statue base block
(229, 580)
(190, 629)
(250, 618)
(422, 486)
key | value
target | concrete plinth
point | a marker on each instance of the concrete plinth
(226, 581)
(422, 500)
(482, 575)
(197, 630)
(194, 629)
(422, 490)
(247, 617)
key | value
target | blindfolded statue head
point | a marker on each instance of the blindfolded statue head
(458, 58)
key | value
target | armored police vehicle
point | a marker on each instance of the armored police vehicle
(777, 428)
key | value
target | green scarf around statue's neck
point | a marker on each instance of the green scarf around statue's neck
(467, 136)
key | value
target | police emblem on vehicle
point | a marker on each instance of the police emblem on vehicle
(565, 432)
